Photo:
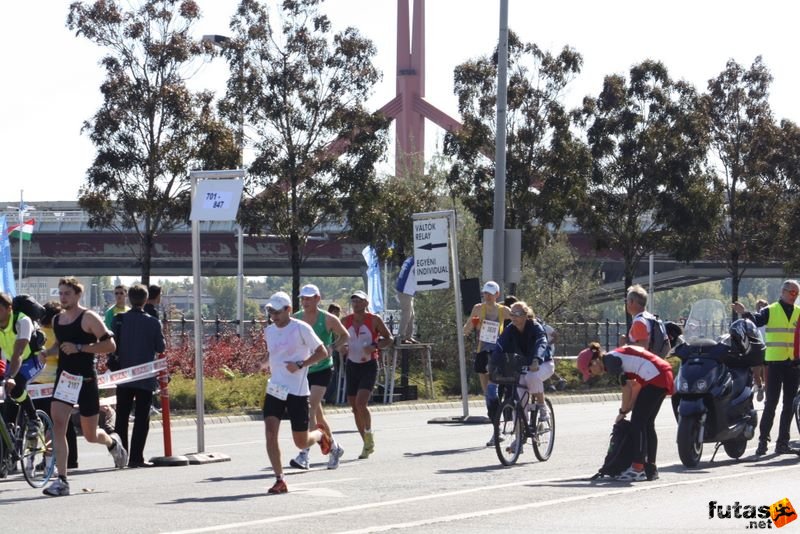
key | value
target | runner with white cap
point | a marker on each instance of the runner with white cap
(328, 328)
(368, 335)
(487, 319)
(292, 346)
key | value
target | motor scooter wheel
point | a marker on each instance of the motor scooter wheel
(735, 448)
(690, 448)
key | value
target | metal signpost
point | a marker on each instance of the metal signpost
(432, 271)
(215, 197)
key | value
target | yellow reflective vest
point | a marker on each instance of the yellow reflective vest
(8, 337)
(780, 333)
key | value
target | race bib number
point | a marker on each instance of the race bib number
(68, 388)
(489, 331)
(277, 390)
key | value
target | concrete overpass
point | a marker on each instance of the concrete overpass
(65, 244)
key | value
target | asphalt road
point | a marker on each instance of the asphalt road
(422, 478)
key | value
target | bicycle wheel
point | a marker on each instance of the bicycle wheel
(508, 432)
(38, 458)
(545, 433)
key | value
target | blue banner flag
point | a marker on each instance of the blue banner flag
(374, 285)
(7, 279)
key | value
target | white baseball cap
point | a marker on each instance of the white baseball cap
(278, 301)
(310, 290)
(491, 287)
(360, 294)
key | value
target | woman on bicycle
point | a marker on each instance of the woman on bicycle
(527, 337)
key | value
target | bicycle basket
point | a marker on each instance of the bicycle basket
(507, 368)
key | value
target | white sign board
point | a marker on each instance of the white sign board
(431, 254)
(216, 200)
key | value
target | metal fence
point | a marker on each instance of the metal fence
(572, 337)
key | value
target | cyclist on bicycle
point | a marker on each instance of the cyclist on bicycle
(15, 334)
(527, 337)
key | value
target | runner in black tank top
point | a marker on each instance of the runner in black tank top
(80, 335)
(81, 363)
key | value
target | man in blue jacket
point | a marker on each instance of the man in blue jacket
(139, 340)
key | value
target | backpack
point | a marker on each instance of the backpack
(38, 338)
(28, 305)
(620, 451)
(659, 341)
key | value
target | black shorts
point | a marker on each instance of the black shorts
(481, 362)
(361, 376)
(320, 378)
(295, 407)
(88, 398)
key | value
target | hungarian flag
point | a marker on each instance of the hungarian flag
(26, 228)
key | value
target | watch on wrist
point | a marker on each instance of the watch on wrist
(79, 347)
(300, 364)
(622, 412)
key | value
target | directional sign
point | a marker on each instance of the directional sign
(431, 254)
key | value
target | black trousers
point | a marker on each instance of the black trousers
(643, 423)
(779, 375)
(143, 398)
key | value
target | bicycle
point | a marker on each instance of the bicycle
(511, 426)
(35, 456)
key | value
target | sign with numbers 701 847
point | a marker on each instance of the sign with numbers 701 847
(217, 200)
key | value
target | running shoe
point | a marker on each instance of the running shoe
(278, 487)
(301, 462)
(326, 440)
(59, 488)
(631, 475)
(118, 452)
(333, 458)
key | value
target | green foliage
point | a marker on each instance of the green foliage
(150, 130)
(542, 153)
(302, 89)
(744, 137)
(557, 281)
(649, 190)
(230, 395)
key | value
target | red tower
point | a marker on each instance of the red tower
(409, 108)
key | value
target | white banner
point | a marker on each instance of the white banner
(108, 380)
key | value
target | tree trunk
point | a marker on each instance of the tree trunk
(294, 247)
(147, 254)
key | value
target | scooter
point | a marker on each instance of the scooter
(713, 399)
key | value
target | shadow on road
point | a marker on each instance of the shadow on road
(439, 452)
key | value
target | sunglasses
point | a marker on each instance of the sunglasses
(519, 314)
(118, 293)
(274, 312)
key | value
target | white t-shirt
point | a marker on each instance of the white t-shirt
(294, 342)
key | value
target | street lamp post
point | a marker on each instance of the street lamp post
(22, 209)
(223, 41)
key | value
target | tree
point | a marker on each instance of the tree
(542, 152)
(649, 190)
(743, 136)
(302, 91)
(150, 130)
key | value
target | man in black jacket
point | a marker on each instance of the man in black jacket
(139, 340)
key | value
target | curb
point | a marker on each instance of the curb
(380, 408)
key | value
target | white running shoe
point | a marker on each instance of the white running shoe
(301, 462)
(59, 488)
(119, 453)
(333, 458)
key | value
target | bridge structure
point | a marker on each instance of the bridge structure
(64, 244)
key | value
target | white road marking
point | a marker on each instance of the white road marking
(380, 528)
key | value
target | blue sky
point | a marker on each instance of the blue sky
(50, 77)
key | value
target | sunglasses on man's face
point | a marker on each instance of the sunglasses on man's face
(518, 314)
(274, 312)
(118, 293)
